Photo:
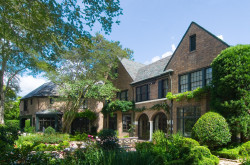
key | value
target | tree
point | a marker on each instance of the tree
(231, 88)
(87, 72)
(11, 105)
(35, 32)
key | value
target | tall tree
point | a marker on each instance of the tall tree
(231, 88)
(87, 72)
(35, 32)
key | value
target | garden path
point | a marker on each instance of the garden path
(228, 162)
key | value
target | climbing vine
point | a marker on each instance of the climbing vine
(87, 113)
(119, 105)
(188, 95)
(161, 106)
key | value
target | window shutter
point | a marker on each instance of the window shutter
(159, 89)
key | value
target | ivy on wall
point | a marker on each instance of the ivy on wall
(87, 113)
(161, 106)
(188, 95)
(119, 105)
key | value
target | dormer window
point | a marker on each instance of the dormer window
(192, 42)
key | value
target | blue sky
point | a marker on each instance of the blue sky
(152, 28)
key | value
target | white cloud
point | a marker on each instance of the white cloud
(29, 83)
(169, 53)
(220, 37)
(173, 47)
(156, 58)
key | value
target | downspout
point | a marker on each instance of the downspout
(171, 107)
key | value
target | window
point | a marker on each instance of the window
(113, 122)
(186, 118)
(51, 101)
(196, 80)
(192, 42)
(46, 122)
(126, 121)
(183, 83)
(208, 76)
(142, 93)
(25, 105)
(31, 101)
(123, 95)
(164, 87)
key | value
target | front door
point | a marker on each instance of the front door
(143, 127)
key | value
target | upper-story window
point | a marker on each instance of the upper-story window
(142, 93)
(25, 105)
(208, 76)
(184, 83)
(196, 80)
(162, 88)
(192, 42)
(31, 101)
(123, 95)
(193, 80)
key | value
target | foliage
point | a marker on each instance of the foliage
(201, 155)
(38, 138)
(80, 137)
(245, 149)
(49, 131)
(108, 139)
(195, 94)
(13, 123)
(11, 105)
(120, 105)
(88, 114)
(159, 137)
(86, 72)
(29, 129)
(211, 130)
(161, 106)
(231, 88)
(144, 147)
(176, 162)
(8, 134)
(35, 33)
(228, 153)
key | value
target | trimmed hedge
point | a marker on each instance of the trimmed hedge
(211, 130)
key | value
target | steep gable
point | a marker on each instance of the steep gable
(131, 67)
(208, 46)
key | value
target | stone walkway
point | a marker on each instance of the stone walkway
(228, 162)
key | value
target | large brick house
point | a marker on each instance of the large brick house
(147, 85)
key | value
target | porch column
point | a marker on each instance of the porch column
(150, 130)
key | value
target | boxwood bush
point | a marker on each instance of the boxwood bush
(211, 130)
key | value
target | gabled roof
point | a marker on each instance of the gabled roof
(47, 89)
(151, 70)
(186, 33)
(131, 67)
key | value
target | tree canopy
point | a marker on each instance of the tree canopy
(231, 87)
(35, 33)
(87, 72)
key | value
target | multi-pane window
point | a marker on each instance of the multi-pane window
(126, 122)
(31, 101)
(142, 93)
(25, 105)
(164, 87)
(113, 122)
(123, 95)
(184, 83)
(192, 42)
(208, 76)
(45, 122)
(196, 80)
(186, 118)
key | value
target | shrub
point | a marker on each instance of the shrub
(13, 123)
(245, 149)
(228, 153)
(211, 130)
(29, 129)
(49, 131)
(189, 142)
(144, 147)
(81, 137)
(176, 162)
(8, 135)
(159, 137)
(108, 139)
(201, 155)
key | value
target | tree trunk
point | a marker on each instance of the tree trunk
(1, 99)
